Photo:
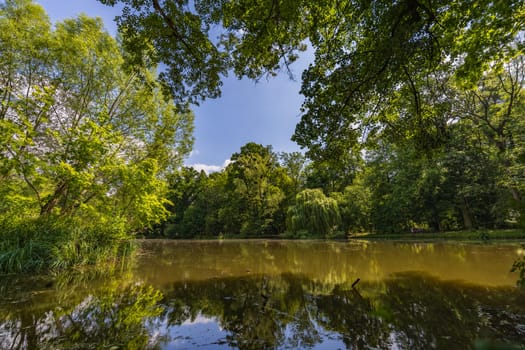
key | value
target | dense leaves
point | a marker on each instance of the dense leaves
(169, 33)
(247, 198)
(83, 141)
(411, 106)
(366, 52)
(412, 118)
(313, 213)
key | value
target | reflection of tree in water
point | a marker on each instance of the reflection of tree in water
(248, 308)
(115, 316)
(353, 317)
(519, 267)
(426, 313)
(409, 311)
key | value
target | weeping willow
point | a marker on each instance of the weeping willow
(313, 212)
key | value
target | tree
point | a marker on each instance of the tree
(495, 107)
(82, 137)
(295, 164)
(254, 181)
(332, 174)
(313, 213)
(365, 50)
(354, 206)
(390, 176)
(185, 186)
(389, 78)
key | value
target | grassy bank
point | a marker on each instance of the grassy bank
(43, 245)
(475, 235)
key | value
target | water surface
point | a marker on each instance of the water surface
(276, 295)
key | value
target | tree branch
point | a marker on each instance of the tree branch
(175, 32)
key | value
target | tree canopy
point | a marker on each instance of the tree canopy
(390, 100)
(366, 52)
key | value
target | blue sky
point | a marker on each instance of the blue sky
(265, 112)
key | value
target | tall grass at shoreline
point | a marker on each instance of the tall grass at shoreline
(53, 244)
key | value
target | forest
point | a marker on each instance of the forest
(413, 119)
(464, 184)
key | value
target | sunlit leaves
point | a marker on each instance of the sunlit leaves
(254, 178)
(367, 53)
(81, 136)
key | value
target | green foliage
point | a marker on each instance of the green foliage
(332, 174)
(168, 34)
(54, 243)
(313, 212)
(354, 206)
(412, 111)
(247, 199)
(295, 165)
(253, 178)
(453, 189)
(105, 242)
(372, 58)
(27, 245)
(85, 140)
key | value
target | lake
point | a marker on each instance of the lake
(276, 295)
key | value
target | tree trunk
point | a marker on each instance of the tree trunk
(467, 217)
(515, 194)
(52, 202)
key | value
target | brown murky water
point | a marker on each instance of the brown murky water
(276, 295)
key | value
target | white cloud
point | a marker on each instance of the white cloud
(207, 168)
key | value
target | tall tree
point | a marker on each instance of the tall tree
(185, 186)
(81, 136)
(254, 179)
(295, 164)
(494, 107)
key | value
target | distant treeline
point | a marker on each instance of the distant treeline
(467, 183)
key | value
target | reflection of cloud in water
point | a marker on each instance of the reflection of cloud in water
(206, 333)
(199, 320)
(394, 341)
(203, 332)
(327, 340)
